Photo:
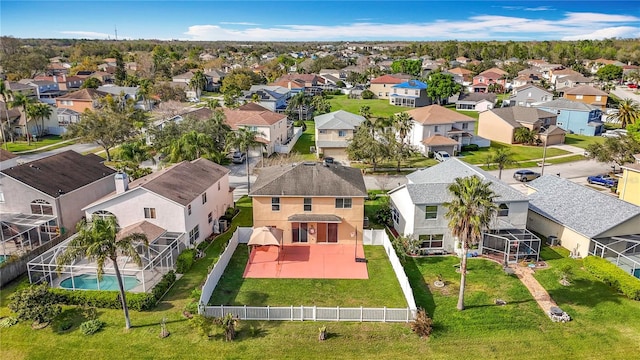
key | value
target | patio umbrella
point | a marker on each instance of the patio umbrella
(266, 236)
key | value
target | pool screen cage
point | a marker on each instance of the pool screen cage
(157, 259)
(22, 233)
(624, 251)
(511, 246)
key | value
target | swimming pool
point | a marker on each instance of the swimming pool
(3, 258)
(90, 282)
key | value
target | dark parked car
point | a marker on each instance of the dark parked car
(604, 180)
(239, 157)
(525, 175)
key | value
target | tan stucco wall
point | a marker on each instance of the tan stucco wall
(629, 186)
(385, 89)
(569, 239)
(589, 99)
(78, 105)
(332, 135)
(351, 218)
(492, 127)
(553, 139)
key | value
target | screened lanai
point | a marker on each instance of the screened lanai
(157, 259)
(624, 251)
(22, 233)
(511, 245)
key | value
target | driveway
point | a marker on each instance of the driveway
(624, 92)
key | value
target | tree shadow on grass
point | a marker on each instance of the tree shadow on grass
(584, 292)
(509, 303)
(549, 253)
(157, 323)
(421, 291)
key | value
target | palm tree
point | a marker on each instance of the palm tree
(244, 139)
(39, 111)
(524, 135)
(145, 89)
(628, 113)
(469, 214)
(21, 101)
(198, 82)
(190, 146)
(402, 125)
(297, 103)
(99, 241)
(501, 157)
(6, 95)
(212, 104)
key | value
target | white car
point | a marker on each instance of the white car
(441, 156)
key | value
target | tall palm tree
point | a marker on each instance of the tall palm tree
(244, 139)
(469, 214)
(297, 103)
(99, 241)
(501, 157)
(628, 112)
(402, 125)
(39, 111)
(6, 95)
(21, 101)
(190, 146)
(198, 82)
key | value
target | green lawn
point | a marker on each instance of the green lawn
(371, 207)
(416, 162)
(381, 289)
(520, 153)
(379, 107)
(20, 146)
(582, 141)
(306, 140)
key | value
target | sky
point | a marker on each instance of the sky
(328, 20)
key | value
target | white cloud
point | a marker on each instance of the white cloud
(238, 23)
(539, 8)
(87, 34)
(610, 32)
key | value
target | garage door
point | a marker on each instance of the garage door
(336, 153)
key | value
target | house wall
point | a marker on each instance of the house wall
(71, 204)
(569, 239)
(333, 135)
(629, 187)
(530, 95)
(576, 122)
(553, 139)
(381, 91)
(18, 197)
(492, 127)
(440, 225)
(400, 201)
(351, 218)
(77, 105)
(590, 99)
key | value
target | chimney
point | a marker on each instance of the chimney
(122, 182)
(289, 85)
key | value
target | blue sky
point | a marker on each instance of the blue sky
(307, 20)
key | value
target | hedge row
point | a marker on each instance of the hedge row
(164, 284)
(185, 260)
(614, 276)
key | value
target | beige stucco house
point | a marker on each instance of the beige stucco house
(588, 95)
(333, 132)
(272, 126)
(311, 202)
(436, 128)
(382, 85)
(501, 124)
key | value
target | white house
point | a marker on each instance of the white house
(187, 197)
(436, 128)
(418, 210)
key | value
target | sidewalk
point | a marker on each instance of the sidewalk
(540, 294)
(45, 147)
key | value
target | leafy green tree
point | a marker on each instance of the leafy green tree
(240, 80)
(469, 213)
(145, 89)
(398, 138)
(135, 151)
(407, 66)
(609, 72)
(501, 157)
(442, 86)
(120, 74)
(616, 150)
(166, 92)
(99, 241)
(40, 111)
(244, 139)
(35, 303)
(320, 104)
(190, 146)
(366, 145)
(297, 104)
(91, 83)
(198, 82)
(628, 112)
(524, 135)
(6, 95)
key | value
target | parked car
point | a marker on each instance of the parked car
(604, 180)
(616, 133)
(632, 86)
(525, 175)
(441, 156)
(239, 157)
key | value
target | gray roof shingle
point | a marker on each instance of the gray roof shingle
(565, 104)
(338, 120)
(577, 207)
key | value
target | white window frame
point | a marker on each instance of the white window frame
(430, 214)
(275, 204)
(149, 213)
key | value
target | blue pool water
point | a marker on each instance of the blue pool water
(3, 258)
(90, 282)
(636, 273)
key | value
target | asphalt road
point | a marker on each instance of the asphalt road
(624, 92)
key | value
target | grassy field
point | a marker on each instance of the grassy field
(381, 289)
(306, 140)
(416, 162)
(519, 153)
(379, 107)
(20, 146)
(582, 141)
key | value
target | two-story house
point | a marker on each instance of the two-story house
(587, 95)
(575, 117)
(273, 128)
(188, 197)
(273, 98)
(310, 202)
(501, 124)
(529, 94)
(461, 75)
(381, 86)
(46, 90)
(80, 100)
(418, 210)
(333, 132)
(412, 93)
(436, 128)
(482, 81)
(629, 183)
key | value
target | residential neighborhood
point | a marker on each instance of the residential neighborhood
(335, 190)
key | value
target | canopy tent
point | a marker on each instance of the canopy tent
(266, 236)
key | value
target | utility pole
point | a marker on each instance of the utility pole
(116, 31)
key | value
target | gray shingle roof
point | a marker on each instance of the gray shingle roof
(338, 120)
(587, 211)
(310, 179)
(520, 114)
(477, 97)
(566, 104)
(429, 186)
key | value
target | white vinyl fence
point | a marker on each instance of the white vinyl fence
(285, 149)
(309, 313)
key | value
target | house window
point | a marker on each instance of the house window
(210, 218)
(204, 198)
(417, 92)
(465, 126)
(307, 204)
(386, 94)
(405, 91)
(431, 212)
(503, 210)
(194, 234)
(578, 97)
(343, 203)
(342, 133)
(380, 93)
(395, 215)
(598, 98)
(1, 197)
(435, 128)
(102, 214)
(189, 209)
(149, 213)
(322, 131)
(41, 207)
(275, 204)
(431, 241)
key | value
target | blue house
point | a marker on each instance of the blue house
(575, 117)
(412, 93)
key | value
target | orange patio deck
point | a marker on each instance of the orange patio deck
(307, 261)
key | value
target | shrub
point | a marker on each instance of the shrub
(104, 299)
(91, 327)
(65, 325)
(367, 94)
(35, 303)
(470, 147)
(372, 195)
(612, 275)
(201, 324)
(8, 322)
(164, 285)
(185, 260)
(423, 325)
(203, 245)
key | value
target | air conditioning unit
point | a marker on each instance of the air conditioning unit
(223, 225)
(553, 240)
